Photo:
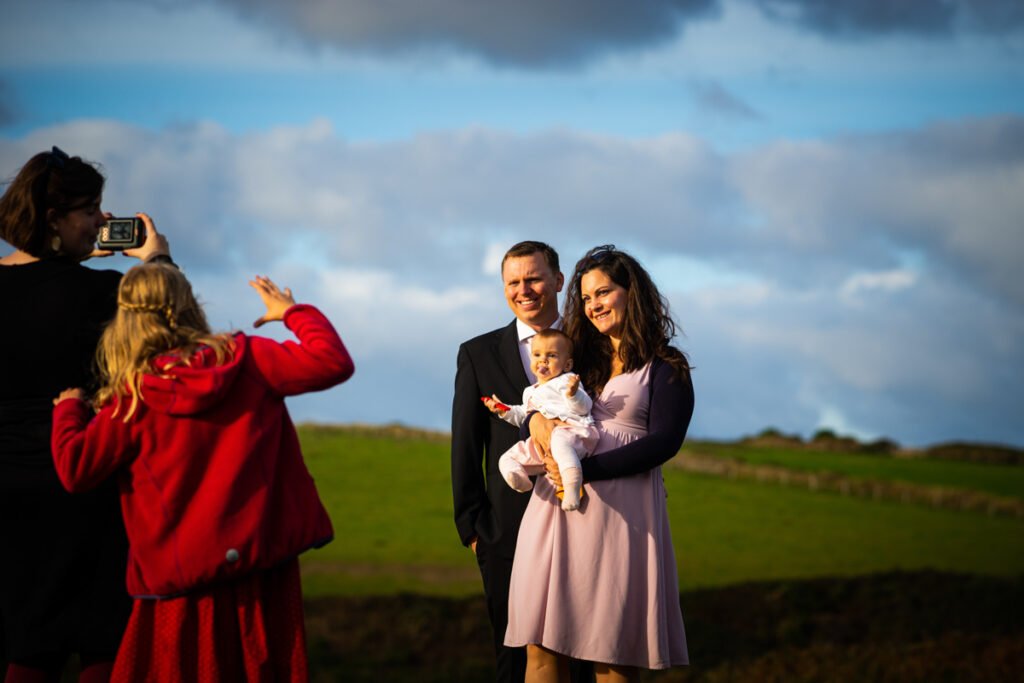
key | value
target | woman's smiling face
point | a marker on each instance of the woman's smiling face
(604, 302)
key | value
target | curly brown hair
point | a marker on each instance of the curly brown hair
(648, 328)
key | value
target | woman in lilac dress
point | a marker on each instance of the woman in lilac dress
(601, 584)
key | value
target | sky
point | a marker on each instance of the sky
(830, 194)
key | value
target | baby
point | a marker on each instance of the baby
(557, 395)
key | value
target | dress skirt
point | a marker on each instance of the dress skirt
(601, 583)
(246, 630)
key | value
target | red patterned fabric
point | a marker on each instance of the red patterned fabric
(250, 629)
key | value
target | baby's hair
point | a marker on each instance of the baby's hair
(157, 314)
(552, 333)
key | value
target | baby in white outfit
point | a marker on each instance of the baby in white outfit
(556, 395)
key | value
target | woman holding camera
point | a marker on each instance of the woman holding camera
(62, 578)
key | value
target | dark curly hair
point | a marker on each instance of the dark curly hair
(648, 328)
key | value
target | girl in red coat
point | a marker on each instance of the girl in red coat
(216, 497)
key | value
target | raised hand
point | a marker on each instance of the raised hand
(276, 301)
(572, 385)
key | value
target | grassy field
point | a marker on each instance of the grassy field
(779, 584)
(388, 493)
(996, 479)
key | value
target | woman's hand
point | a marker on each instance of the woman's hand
(69, 393)
(276, 301)
(552, 469)
(155, 244)
(540, 432)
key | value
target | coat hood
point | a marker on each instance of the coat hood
(175, 388)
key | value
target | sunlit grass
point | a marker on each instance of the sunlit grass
(389, 497)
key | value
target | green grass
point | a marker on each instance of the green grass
(1002, 480)
(728, 531)
(389, 498)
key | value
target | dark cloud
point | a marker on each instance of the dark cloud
(8, 109)
(523, 33)
(714, 98)
(923, 17)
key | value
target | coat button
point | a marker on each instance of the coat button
(232, 555)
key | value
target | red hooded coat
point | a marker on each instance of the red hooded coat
(211, 476)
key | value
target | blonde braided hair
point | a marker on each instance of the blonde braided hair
(157, 315)
(165, 310)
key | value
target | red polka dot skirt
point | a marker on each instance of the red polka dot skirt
(247, 630)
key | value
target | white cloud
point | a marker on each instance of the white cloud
(885, 281)
(786, 265)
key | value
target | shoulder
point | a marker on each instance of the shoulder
(488, 339)
(670, 370)
(92, 278)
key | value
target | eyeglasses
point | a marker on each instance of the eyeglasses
(57, 158)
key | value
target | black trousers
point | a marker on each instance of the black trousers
(496, 572)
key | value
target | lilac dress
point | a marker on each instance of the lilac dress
(600, 584)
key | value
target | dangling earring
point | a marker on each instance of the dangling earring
(55, 241)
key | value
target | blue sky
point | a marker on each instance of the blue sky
(829, 193)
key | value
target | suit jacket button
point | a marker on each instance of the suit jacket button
(232, 555)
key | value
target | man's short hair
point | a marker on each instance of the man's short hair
(528, 247)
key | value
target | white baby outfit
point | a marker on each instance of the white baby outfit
(568, 444)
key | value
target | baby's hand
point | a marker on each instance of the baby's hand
(69, 393)
(494, 404)
(572, 385)
(276, 301)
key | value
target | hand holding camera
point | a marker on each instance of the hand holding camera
(135, 236)
(120, 234)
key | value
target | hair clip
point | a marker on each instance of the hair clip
(57, 158)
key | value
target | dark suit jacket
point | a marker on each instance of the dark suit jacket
(485, 506)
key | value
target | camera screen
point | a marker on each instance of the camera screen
(120, 230)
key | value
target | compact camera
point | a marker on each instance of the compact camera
(122, 233)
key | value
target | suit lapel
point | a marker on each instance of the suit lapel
(509, 359)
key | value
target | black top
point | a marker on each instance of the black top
(62, 577)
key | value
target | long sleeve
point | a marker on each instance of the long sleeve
(319, 360)
(579, 403)
(87, 451)
(671, 408)
(515, 415)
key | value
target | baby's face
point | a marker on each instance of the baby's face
(549, 357)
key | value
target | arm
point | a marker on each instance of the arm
(469, 435)
(87, 450)
(577, 400)
(514, 415)
(669, 418)
(319, 361)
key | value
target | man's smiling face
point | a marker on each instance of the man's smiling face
(531, 289)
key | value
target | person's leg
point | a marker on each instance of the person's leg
(496, 572)
(611, 673)
(545, 666)
(563, 450)
(512, 471)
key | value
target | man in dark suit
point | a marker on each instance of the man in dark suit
(487, 510)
